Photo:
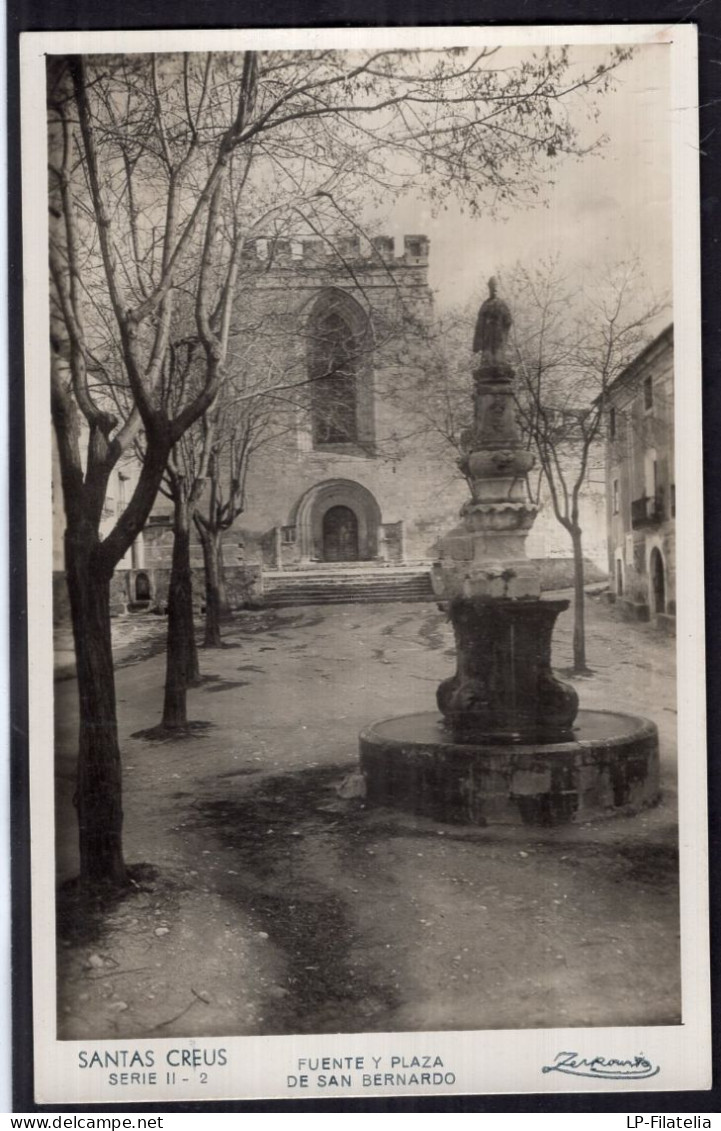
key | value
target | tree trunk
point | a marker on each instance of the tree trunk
(579, 610)
(222, 589)
(98, 797)
(181, 654)
(212, 542)
(185, 593)
(192, 657)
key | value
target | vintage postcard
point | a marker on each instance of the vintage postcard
(367, 743)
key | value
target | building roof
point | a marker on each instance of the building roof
(662, 341)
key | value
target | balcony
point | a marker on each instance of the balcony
(647, 511)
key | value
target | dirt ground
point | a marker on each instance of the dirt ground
(274, 901)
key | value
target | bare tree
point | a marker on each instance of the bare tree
(182, 484)
(571, 343)
(111, 135)
(238, 432)
(145, 153)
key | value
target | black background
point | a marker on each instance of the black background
(35, 15)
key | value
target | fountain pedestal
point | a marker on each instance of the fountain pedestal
(510, 744)
(504, 690)
(609, 766)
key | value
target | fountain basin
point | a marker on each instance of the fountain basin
(610, 766)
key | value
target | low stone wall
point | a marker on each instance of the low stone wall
(242, 585)
(61, 600)
(639, 611)
(148, 589)
(557, 573)
(633, 610)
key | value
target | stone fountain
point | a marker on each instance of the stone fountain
(510, 745)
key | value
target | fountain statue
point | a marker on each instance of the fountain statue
(510, 744)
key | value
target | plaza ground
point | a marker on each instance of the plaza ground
(276, 902)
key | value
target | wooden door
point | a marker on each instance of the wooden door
(340, 535)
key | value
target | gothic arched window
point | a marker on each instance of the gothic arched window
(338, 365)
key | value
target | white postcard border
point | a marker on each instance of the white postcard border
(480, 1062)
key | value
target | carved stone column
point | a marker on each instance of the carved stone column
(503, 689)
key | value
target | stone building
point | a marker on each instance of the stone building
(343, 482)
(351, 477)
(640, 484)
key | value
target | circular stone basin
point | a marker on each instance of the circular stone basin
(610, 766)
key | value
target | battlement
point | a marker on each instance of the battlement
(309, 252)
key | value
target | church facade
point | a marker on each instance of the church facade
(344, 480)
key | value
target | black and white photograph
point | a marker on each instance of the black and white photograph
(363, 399)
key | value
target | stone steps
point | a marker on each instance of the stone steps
(344, 588)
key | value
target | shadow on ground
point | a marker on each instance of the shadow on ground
(282, 904)
(317, 869)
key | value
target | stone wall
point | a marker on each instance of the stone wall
(641, 482)
(243, 585)
(61, 600)
(407, 481)
(557, 573)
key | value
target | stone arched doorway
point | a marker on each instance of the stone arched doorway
(337, 521)
(658, 582)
